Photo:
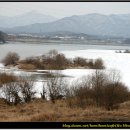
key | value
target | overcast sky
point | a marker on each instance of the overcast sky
(62, 9)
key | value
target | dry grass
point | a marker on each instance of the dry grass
(26, 66)
(40, 110)
(5, 78)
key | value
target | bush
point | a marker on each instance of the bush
(97, 82)
(79, 61)
(10, 88)
(56, 87)
(98, 64)
(15, 90)
(52, 53)
(11, 93)
(101, 89)
(27, 88)
(11, 58)
(80, 93)
(55, 60)
(114, 93)
(60, 61)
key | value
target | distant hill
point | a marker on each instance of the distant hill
(25, 19)
(92, 24)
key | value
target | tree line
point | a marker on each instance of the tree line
(52, 60)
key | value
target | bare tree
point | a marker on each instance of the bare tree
(99, 64)
(97, 81)
(52, 53)
(60, 61)
(11, 93)
(56, 86)
(11, 58)
(27, 88)
(115, 92)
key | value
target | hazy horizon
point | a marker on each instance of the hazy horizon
(64, 9)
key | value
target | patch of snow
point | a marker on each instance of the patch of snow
(1, 65)
(112, 60)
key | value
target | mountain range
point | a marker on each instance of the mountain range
(117, 25)
(25, 19)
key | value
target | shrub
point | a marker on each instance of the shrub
(79, 93)
(52, 53)
(79, 61)
(90, 63)
(55, 60)
(11, 58)
(38, 64)
(27, 88)
(56, 87)
(98, 64)
(97, 81)
(114, 93)
(60, 61)
(10, 88)
(100, 88)
(11, 93)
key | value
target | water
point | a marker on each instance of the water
(28, 49)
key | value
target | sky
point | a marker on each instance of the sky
(64, 9)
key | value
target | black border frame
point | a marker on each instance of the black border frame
(64, 0)
(64, 125)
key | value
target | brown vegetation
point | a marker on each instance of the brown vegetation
(55, 60)
(52, 60)
(57, 87)
(6, 78)
(88, 99)
(26, 66)
(39, 110)
(11, 59)
(99, 89)
(16, 89)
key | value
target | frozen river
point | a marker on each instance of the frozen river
(28, 49)
(112, 60)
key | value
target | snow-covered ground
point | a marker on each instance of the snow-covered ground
(112, 60)
(1, 65)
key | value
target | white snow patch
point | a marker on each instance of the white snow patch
(112, 60)
(1, 65)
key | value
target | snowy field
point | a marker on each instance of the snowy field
(112, 60)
